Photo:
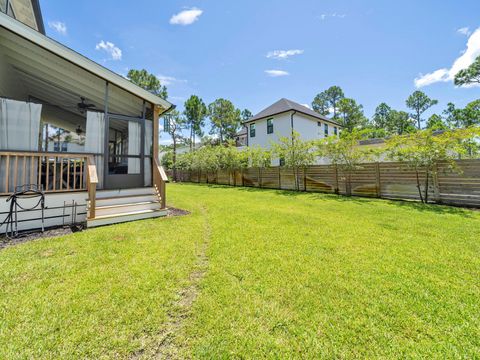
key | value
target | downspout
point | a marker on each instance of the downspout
(291, 122)
(293, 154)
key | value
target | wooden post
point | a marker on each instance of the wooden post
(279, 178)
(305, 179)
(54, 173)
(377, 179)
(15, 173)
(7, 171)
(335, 169)
(156, 119)
(436, 187)
(260, 176)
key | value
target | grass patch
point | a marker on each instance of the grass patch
(289, 275)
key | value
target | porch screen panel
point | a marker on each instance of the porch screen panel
(19, 131)
(134, 143)
(95, 140)
(148, 152)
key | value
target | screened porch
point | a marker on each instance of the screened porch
(63, 117)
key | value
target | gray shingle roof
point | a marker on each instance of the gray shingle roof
(284, 105)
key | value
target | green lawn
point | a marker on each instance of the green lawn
(287, 276)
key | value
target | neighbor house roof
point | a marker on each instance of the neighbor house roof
(38, 16)
(285, 105)
(79, 60)
(242, 131)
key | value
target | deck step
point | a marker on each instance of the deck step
(124, 217)
(123, 200)
(117, 206)
(103, 194)
(118, 209)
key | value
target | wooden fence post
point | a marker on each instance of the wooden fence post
(304, 179)
(279, 178)
(337, 190)
(436, 187)
(377, 179)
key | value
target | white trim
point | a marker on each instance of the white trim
(75, 58)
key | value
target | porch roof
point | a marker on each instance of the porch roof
(72, 57)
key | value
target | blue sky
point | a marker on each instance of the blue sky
(373, 49)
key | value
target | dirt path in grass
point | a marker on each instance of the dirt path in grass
(166, 344)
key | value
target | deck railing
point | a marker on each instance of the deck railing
(92, 181)
(54, 172)
(160, 180)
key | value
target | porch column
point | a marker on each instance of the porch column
(156, 119)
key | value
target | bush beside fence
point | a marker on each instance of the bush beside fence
(389, 180)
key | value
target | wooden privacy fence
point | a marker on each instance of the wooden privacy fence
(389, 180)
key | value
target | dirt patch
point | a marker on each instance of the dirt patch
(177, 212)
(36, 235)
(61, 231)
(166, 344)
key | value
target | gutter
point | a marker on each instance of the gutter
(291, 122)
(300, 112)
(171, 108)
(38, 16)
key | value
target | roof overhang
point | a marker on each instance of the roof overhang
(81, 61)
(296, 111)
(38, 16)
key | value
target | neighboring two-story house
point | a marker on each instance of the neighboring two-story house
(284, 117)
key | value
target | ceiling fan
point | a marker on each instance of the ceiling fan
(83, 105)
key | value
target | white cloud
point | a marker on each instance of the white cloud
(276, 73)
(186, 17)
(58, 26)
(169, 80)
(432, 78)
(110, 48)
(283, 54)
(462, 62)
(177, 98)
(333, 15)
(464, 31)
(307, 106)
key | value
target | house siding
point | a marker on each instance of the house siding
(305, 125)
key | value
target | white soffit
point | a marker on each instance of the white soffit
(79, 60)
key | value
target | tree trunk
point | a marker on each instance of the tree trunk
(191, 136)
(418, 120)
(297, 185)
(174, 159)
(426, 186)
(419, 186)
(348, 185)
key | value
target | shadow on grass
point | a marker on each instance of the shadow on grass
(404, 204)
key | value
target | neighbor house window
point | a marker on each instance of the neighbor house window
(252, 130)
(270, 126)
(335, 130)
(325, 129)
(282, 162)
